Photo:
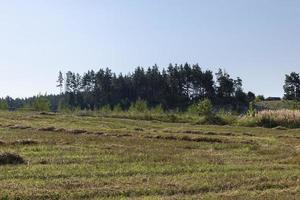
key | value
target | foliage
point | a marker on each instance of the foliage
(259, 98)
(175, 87)
(251, 96)
(41, 103)
(117, 108)
(205, 108)
(251, 110)
(105, 109)
(63, 107)
(3, 105)
(140, 106)
(60, 81)
(292, 86)
(157, 109)
(193, 109)
(247, 121)
(226, 117)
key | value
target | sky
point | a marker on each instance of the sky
(257, 40)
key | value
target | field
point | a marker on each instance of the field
(88, 157)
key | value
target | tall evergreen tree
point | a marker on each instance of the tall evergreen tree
(60, 82)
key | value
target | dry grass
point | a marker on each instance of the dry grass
(278, 119)
(139, 159)
(273, 118)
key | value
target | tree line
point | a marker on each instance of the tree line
(176, 87)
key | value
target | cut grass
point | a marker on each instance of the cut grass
(75, 157)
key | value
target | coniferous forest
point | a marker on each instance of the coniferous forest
(175, 87)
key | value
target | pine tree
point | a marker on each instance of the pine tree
(60, 81)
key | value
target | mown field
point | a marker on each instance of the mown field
(89, 157)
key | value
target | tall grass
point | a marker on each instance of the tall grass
(273, 118)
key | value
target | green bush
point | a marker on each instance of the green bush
(193, 109)
(41, 103)
(140, 106)
(259, 98)
(105, 109)
(171, 117)
(251, 110)
(63, 107)
(3, 105)
(247, 121)
(157, 109)
(226, 117)
(117, 108)
(205, 108)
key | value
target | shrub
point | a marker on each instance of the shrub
(63, 107)
(3, 105)
(172, 117)
(140, 106)
(157, 109)
(204, 107)
(105, 109)
(251, 111)
(259, 98)
(247, 121)
(226, 117)
(117, 108)
(192, 109)
(41, 103)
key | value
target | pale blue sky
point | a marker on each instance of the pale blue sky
(258, 40)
